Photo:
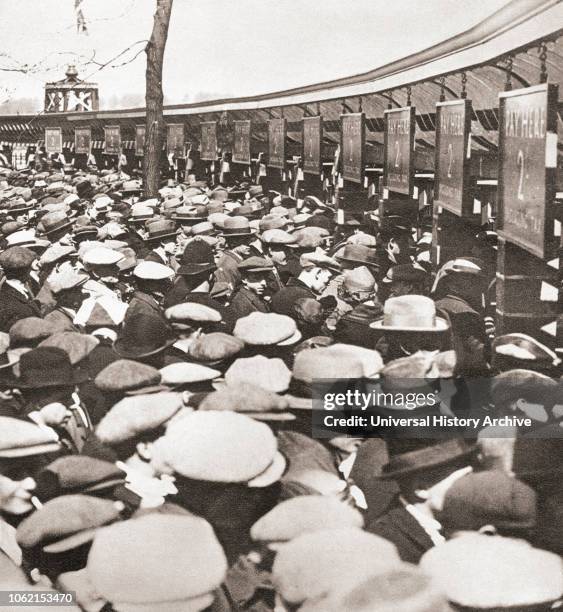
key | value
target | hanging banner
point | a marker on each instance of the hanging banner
(82, 140)
(312, 144)
(53, 140)
(140, 140)
(277, 129)
(528, 168)
(208, 146)
(398, 150)
(175, 139)
(241, 149)
(352, 146)
(112, 141)
(453, 157)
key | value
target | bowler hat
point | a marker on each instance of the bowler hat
(142, 335)
(46, 366)
(197, 258)
(426, 458)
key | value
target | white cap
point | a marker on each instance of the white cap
(151, 270)
(101, 256)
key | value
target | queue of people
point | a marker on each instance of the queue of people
(158, 358)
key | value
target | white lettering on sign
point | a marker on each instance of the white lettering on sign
(529, 122)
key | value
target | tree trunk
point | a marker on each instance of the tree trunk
(155, 127)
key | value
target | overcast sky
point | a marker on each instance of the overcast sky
(222, 47)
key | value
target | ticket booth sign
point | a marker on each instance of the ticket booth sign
(352, 146)
(528, 167)
(398, 150)
(175, 139)
(112, 140)
(208, 146)
(53, 140)
(82, 140)
(453, 157)
(277, 129)
(241, 150)
(140, 131)
(312, 144)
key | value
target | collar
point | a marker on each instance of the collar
(429, 524)
(19, 287)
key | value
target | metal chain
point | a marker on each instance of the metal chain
(409, 91)
(509, 65)
(442, 90)
(464, 85)
(543, 64)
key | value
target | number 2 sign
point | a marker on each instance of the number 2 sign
(527, 168)
(453, 156)
(399, 149)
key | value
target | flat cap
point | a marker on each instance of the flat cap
(101, 256)
(523, 384)
(323, 363)
(30, 331)
(246, 398)
(192, 311)
(480, 571)
(359, 280)
(403, 589)
(19, 438)
(270, 374)
(314, 564)
(182, 560)
(304, 514)
(152, 270)
(76, 345)
(17, 258)
(66, 516)
(135, 415)
(255, 264)
(186, 373)
(55, 253)
(216, 447)
(261, 328)
(278, 236)
(66, 280)
(215, 346)
(316, 259)
(488, 498)
(125, 375)
(78, 472)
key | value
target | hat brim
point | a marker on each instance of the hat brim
(427, 466)
(77, 378)
(135, 353)
(299, 403)
(364, 262)
(29, 451)
(193, 269)
(271, 474)
(252, 232)
(71, 542)
(295, 337)
(156, 238)
(12, 360)
(441, 326)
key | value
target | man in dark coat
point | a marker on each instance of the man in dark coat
(248, 298)
(423, 475)
(16, 300)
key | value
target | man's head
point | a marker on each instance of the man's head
(255, 272)
(16, 262)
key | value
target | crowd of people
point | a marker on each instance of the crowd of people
(157, 363)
